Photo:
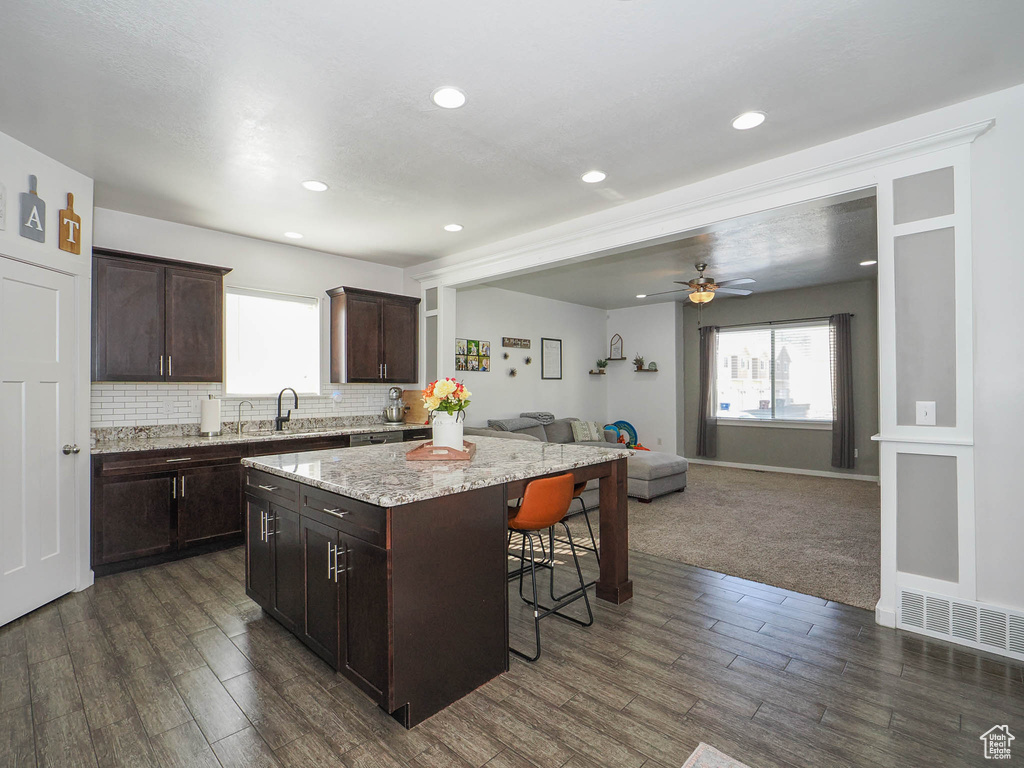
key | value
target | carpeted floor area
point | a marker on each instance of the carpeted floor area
(814, 535)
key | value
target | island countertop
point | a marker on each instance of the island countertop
(381, 475)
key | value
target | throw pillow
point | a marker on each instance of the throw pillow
(587, 431)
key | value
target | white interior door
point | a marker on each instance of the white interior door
(37, 401)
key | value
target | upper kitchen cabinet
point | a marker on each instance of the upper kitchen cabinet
(156, 319)
(374, 336)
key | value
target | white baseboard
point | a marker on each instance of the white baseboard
(785, 470)
(885, 617)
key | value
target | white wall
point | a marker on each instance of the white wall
(645, 400)
(254, 264)
(997, 179)
(490, 313)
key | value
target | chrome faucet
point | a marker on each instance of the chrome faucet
(251, 409)
(280, 420)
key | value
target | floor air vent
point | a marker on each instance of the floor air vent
(964, 622)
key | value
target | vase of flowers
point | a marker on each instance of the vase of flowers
(446, 399)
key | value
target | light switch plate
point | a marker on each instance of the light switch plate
(926, 413)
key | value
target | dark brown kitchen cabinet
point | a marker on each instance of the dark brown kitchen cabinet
(138, 517)
(374, 336)
(156, 319)
(323, 553)
(208, 508)
(259, 563)
(289, 570)
(194, 333)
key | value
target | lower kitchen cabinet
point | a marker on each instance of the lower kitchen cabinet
(138, 517)
(208, 507)
(327, 586)
(259, 562)
(289, 568)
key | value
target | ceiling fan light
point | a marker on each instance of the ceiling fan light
(702, 297)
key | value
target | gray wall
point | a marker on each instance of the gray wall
(794, 448)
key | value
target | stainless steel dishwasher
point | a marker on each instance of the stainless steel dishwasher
(376, 438)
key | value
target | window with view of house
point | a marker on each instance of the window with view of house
(272, 341)
(775, 373)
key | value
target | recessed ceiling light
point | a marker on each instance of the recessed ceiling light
(748, 120)
(315, 186)
(641, 295)
(868, 263)
(448, 97)
(452, 227)
(293, 235)
(592, 177)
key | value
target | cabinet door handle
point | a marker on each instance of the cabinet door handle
(183, 486)
(161, 365)
(268, 487)
(174, 489)
(271, 526)
(263, 526)
(169, 366)
(332, 563)
(385, 370)
(338, 552)
(184, 458)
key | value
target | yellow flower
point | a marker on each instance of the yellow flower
(444, 387)
(432, 403)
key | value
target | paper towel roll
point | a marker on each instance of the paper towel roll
(209, 416)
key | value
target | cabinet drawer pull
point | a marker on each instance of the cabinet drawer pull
(337, 511)
(161, 365)
(169, 366)
(268, 487)
(186, 458)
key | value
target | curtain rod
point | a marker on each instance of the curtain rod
(781, 322)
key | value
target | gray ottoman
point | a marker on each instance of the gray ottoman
(650, 474)
(654, 474)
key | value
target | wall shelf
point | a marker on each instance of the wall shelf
(615, 358)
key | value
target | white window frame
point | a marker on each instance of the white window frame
(261, 293)
(757, 421)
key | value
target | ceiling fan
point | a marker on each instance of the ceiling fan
(701, 289)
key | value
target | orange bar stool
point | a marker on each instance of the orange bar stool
(545, 504)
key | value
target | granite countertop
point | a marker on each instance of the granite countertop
(131, 444)
(380, 474)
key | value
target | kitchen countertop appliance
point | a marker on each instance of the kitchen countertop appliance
(395, 411)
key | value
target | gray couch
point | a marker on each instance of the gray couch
(650, 473)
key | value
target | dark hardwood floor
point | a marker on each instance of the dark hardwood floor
(174, 666)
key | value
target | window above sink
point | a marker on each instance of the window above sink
(272, 341)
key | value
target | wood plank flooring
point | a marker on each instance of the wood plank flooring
(174, 666)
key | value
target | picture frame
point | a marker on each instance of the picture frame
(460, 346)
(472, 347)
(615, 348)
(460, 363)
(550, 359)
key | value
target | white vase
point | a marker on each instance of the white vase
(448, 430)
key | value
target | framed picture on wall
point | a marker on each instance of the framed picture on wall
(550, 358)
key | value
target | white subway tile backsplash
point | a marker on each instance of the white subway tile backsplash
(137, 404)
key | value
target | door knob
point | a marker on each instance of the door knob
(69, 449)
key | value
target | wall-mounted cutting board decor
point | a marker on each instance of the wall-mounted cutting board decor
(33, 214)
(3, 207)
(70, 228)
(509, 341)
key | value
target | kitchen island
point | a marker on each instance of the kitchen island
(394, 571)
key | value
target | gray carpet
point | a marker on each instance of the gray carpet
(815, 535)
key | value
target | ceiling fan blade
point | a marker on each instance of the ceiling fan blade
(681, 282)
(735, 291)
(736, 281)
(662, 293)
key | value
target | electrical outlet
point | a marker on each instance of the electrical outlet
(167, 408)
(926, 413)
(659, 441)
(856, 453)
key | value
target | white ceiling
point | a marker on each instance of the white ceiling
(798, 246)
(211, 112)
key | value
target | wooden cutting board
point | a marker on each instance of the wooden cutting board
(415, 410)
